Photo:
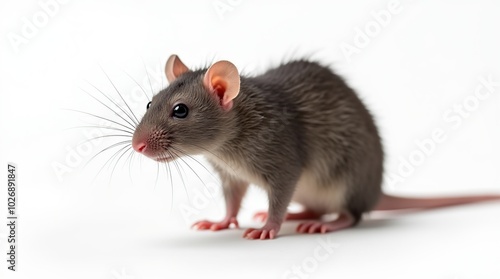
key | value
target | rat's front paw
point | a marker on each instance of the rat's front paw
(215, 226)
(269, 231)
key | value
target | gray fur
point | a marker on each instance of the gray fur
(297, 123)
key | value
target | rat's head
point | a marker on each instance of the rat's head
(192, 115)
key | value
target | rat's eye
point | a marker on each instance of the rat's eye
(148, 105)
(180, 111)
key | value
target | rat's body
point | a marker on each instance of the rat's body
(297, 130)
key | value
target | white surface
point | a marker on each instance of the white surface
(427, 58)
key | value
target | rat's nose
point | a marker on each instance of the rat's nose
(140, 142)
(139, 146)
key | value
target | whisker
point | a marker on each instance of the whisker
(113, 102)
(200, 147)
(105, 136)
(103, 166)
(117, 91)
(140, 162)
(103, 118)
(198, 162)
(171, 187)
(169, 174)
(100, 127)
(118, 160)
(149, 79)
(167, 170)
(129, 159)
(179, 172)
(142, 89)
(192, 170)
(157, 174)
(107, 148)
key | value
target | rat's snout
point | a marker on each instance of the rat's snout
(151, 143)
(139, 143)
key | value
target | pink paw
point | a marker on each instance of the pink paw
(344, 221)
(215, 226)
(266, 232)
(314, 227)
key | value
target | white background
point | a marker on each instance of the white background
(128, 223)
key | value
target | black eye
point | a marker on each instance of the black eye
(148, 105)
(180, 111)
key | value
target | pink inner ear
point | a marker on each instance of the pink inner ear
(219, 87)
(222, 80)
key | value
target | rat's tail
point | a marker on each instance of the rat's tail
(388, 202)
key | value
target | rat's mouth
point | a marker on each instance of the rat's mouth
(164, 158)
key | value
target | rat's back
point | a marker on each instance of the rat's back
(342, 145)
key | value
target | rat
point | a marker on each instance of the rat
(297, 130)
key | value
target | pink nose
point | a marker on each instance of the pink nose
(139, 147)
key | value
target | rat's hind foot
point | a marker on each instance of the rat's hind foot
(269, 231)
(215, 226)
(343, 221)
(304, 215)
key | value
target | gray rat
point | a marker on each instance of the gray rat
(298, 131)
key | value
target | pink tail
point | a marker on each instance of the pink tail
(388, 202)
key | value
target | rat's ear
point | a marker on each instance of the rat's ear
(222, 78)
(174, 68)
